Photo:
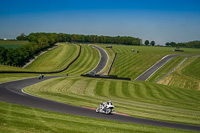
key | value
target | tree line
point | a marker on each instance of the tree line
(152, 43)
(19, 56)
(192, 44)
(41, 41)
(61, 37)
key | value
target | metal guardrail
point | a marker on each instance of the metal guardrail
(112, 63)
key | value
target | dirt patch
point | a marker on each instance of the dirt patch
(166, 80)
(199, 87)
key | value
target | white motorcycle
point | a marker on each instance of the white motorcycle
(105, 108)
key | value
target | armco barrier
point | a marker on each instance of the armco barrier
(112, 63)
(105, 76)
(47, 72)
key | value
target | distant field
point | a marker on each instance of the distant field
(16, 118)
(137, 98)
(129, 64)
(185, 76)
(12, 43)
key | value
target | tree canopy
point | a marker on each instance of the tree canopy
(152, 43)
(146, 42)
(192, 44)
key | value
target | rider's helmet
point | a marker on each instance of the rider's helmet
(109, 102)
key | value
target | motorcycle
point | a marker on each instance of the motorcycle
(105, 108)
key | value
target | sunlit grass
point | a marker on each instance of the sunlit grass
(16, 118)
(56, 59)
(184, 76)
(140, 99)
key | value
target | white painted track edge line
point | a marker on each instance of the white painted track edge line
(151, 67)
(158, 68)
(99, 60)
(100, 57)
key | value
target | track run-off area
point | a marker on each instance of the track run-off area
(12, 92)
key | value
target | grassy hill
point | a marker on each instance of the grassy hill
(185, 76)
(136, 98)
(129, 64)
(140, 99)
(56, 59)
(87, 61)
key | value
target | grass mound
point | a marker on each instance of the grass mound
(140, 99)
(193, 69)
(185, 76)
(87, 61)
(56, 59)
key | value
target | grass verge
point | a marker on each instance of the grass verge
(184, 76)
(16, 118)
(140, 99)
(166, 68)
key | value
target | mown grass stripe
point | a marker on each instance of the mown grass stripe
(112, 88)
(125, 90)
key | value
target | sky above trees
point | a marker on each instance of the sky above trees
(160, 21)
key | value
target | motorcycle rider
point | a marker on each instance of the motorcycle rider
(103, 105)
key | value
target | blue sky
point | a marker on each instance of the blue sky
(158, 20)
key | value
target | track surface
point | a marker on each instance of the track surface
(11, 92)
(144, 76)
(103, 60)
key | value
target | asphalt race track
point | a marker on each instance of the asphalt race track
(11, 92)
(103, 60)
(144, 76)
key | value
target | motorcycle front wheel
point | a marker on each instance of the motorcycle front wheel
(108, 111)
(97, 110)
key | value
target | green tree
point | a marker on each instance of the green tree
(22, 37)
(167, 44)
(146, 42)
(152, 43)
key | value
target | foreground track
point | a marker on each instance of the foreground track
(11, 92)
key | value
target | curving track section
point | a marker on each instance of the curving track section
(12, 92)
(103, 61)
